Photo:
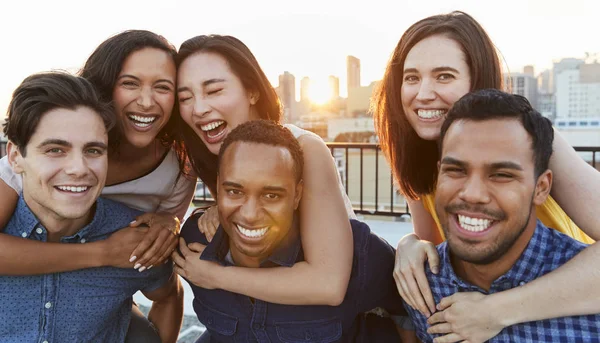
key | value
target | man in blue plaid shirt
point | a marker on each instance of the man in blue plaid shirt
(493, 172)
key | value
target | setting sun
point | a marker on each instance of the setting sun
(319, 92)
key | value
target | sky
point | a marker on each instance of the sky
(307, 38)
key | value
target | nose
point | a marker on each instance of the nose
(426, 91)
(250, 211)
(144, 100)
(76, 165)
(201, 107)
(474, 191)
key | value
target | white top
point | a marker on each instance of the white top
(297, 132)
(153, 192)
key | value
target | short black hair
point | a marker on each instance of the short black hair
(40, 93)
(487, 104)
(270, 133)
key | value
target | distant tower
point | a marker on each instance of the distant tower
(353, 72)
(287, 93)
(528, 70)
(334, 86)
(305, 90)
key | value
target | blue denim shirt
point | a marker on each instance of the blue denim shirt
(87, 305)
(231, 317)
(547, 250)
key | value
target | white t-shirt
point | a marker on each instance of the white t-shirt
(297, 132)
(153, 192)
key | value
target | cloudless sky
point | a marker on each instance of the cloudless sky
(308, 37)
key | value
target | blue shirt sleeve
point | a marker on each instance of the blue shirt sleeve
(375, 259)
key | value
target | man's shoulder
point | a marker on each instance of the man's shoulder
(558, 246)
(190, 232)
(116, 214)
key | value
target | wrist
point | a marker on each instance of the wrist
(101, 256)
(503, 306)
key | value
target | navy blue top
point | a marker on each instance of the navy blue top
(547, 250)
(87, 305)
(231, 317)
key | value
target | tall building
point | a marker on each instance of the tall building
(359, 100)
(287, 94)
(578, 91)
(562, 65)
(353, 72)
(305, 90)
(334, 86)
(524, 84)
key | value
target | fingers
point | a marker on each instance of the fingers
(196, 247)
(150, 255)
(432, 257)
(413, 289)
(209, 222)
(442, 328)
(179, 271)
(142, 247)
(145, 218)
(173, 241)
(424, 290)
(183, 247)
(451, 338)
(178, 259)
(403, 290)
(448, 301)
(436, 318)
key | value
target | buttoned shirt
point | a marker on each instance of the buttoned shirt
(547, 250)
(87, 305)
(231, 317)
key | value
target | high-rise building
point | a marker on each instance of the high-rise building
(287, 94)
(353, 72)
(334, 86)
(524, 84)
(578, 91)
(359, 100)
(305, 90)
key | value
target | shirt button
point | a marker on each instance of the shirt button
(45, 342)
(24, 234)
(48, 305)
(521, 283)
(39, 230)
(82, 240)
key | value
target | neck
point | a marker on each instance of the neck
(57, 226)
(241, 260)
(483, 275)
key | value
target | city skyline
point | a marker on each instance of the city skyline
(308, 39)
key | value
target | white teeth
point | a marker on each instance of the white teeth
(72, 189)
(211, 126)
(474, 224)
(141, 121)
(252, 233)
(430, 114)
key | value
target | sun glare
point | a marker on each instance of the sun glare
(319, 92)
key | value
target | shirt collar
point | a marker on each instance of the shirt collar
(525, 269)
(287, 253)
(28, 221)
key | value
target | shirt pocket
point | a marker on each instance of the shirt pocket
(315, 331)
(216, 321)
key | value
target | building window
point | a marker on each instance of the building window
(583, 123)
(561, 124)
(572, 123)
(521, 82)
(595, 123)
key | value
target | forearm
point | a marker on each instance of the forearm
(21, 256)
(576, 184)
(301, 284)
(167, 314)
(570, 290)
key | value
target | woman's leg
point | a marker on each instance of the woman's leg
(140, 329)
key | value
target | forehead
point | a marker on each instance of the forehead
(435, 51)
(256, 162)
(84, 125)
(203, 66)
(149, 62)
(488, 141)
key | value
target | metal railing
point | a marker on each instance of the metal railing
(368, 180)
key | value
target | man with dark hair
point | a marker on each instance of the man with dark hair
(493, 171)
(57, 130)
(258, 191)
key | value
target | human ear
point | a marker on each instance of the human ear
(542, 187)
(15, 158)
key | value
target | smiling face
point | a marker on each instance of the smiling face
(486, 189)
(257, 196)
(64, 167)
(144, 95)
(212, 99)
(435, 76)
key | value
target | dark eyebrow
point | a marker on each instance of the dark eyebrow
(274, 189)
(54, 141)
(232, 184)
(506, 165)
(138, 79)
(435, 70)
(95, 145)
(454, 161)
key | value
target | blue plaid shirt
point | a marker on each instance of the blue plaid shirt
(232, 317)
(87, 305)
(547, 250)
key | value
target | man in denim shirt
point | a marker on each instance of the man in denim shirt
(259, 188)
(57, 130)
(493, 172)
